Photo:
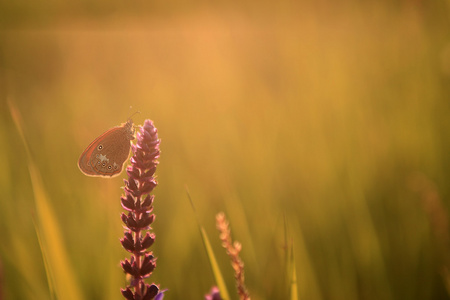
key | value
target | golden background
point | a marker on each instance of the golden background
(321, 124)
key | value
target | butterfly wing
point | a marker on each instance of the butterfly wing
(109, 160)
(84, 160)
(107, 153)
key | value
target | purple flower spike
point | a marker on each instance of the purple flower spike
(138, 217)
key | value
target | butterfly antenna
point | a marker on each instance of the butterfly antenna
(136, 112)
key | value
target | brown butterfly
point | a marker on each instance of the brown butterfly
(105, 156)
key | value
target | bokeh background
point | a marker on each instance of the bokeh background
(318, 125)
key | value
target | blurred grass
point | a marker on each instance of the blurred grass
(320, 112)
(61, 282)
(293, 278)
(218, 277)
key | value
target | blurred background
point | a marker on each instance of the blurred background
(314, 124)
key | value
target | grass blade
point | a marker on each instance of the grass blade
(293, 285)
(214, 266)
(60, 274)
(212, 258)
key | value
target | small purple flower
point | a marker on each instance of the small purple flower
(214, 294)
(138, 202)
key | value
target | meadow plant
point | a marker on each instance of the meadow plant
(138, 203)
(233, 250)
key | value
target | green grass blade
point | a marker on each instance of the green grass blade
(215, 266)
(50, 277)
(52, 245)
(212, 258)
(61, 281)
(293, 285)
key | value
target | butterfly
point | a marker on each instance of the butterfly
(105, 156)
